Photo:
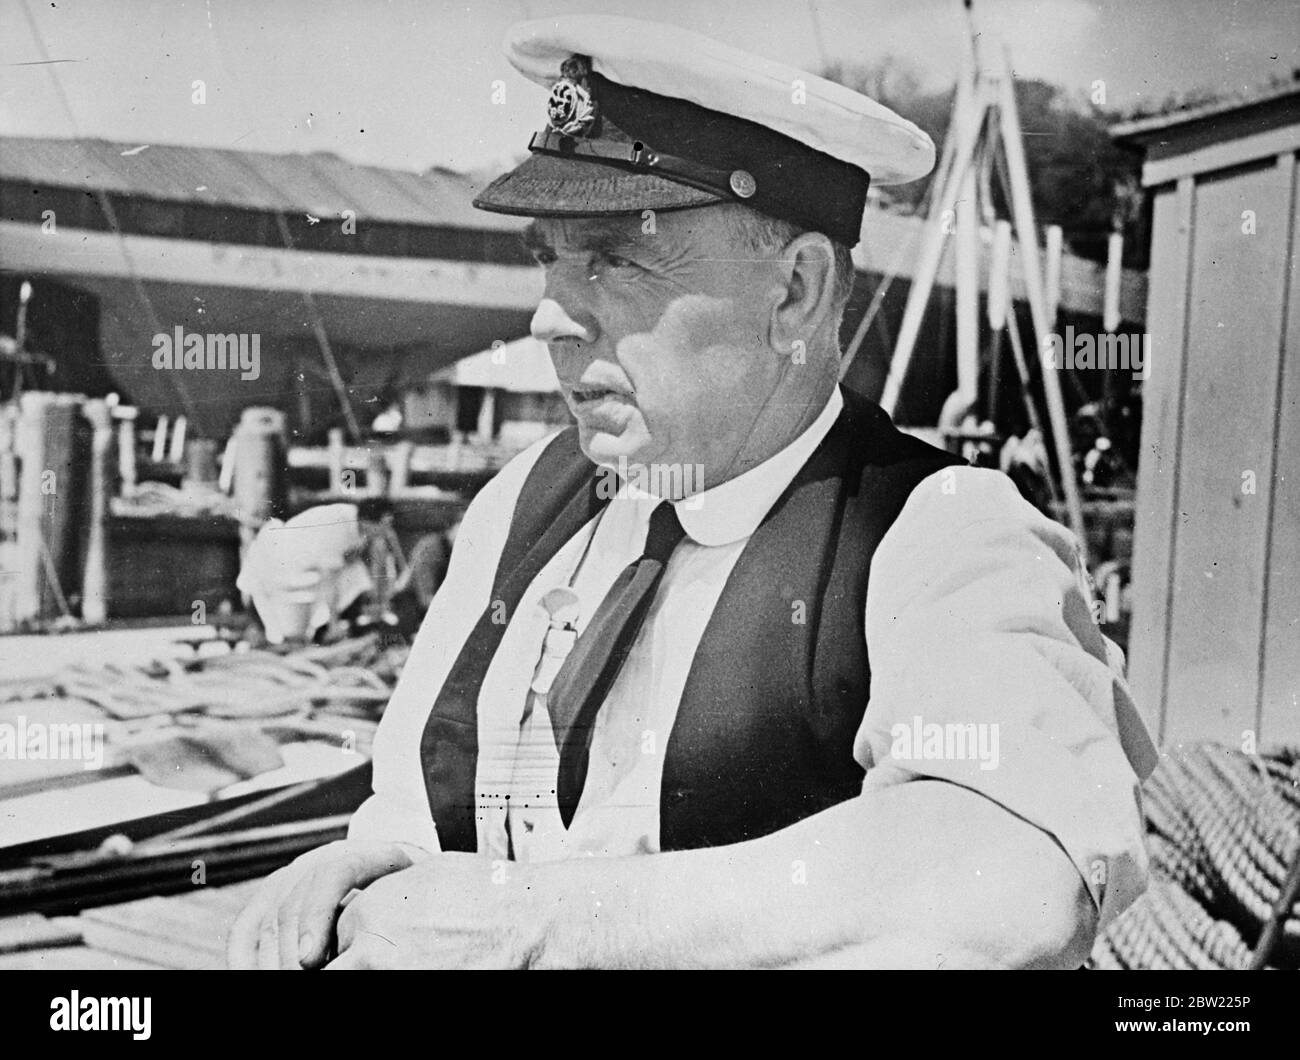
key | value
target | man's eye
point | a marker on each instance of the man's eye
(544, 257)
(613, 261)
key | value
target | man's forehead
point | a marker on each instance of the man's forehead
(622, 230)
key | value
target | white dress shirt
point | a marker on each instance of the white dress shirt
(976, 615)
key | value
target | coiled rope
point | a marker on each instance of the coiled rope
(1223, 833)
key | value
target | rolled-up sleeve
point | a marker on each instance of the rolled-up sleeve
(988, 671)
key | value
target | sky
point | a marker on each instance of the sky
(410, 83)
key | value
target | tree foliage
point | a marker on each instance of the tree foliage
(1079, 178)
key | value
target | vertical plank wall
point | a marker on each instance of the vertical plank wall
(1215, 643)
(1280, 669)
(1156, 530)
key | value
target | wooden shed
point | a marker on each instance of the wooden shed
(1215, 647)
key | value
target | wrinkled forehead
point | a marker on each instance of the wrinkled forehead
(701, 227)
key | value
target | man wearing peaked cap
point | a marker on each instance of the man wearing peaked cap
(732, 672)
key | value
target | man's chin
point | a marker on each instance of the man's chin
(606, 447)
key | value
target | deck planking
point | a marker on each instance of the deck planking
(183, 931)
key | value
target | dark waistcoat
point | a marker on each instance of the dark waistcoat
(779, 684)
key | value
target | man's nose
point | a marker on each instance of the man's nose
(551, 323)
(562, 312)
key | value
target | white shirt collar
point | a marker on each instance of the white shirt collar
(732, 511)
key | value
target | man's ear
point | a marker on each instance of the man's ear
(808, 273)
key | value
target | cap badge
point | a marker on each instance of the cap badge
(570, 110)
(743, 183)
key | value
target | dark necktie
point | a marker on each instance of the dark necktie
(585, 679)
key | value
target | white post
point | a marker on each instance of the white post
(1110, 315)
(94, 578)
(1052, 276)
(1000, 276)
(125, 415)
(159, 451)
(337, 460)
(936, 235)
(968, 325)
(1023, 210)
(487, 415)
(177, 451)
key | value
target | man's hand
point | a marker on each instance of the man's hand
(290, 922)
(449, 911)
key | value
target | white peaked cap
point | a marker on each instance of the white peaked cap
(671, 61)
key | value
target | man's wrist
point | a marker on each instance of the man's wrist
(530, 908)
(569, 913)
(613, 912)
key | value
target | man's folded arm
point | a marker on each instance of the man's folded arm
(1009, 848)
(922, 874)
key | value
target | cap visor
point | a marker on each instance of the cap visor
(550, 186)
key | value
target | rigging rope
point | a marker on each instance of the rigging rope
(1223, 832)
